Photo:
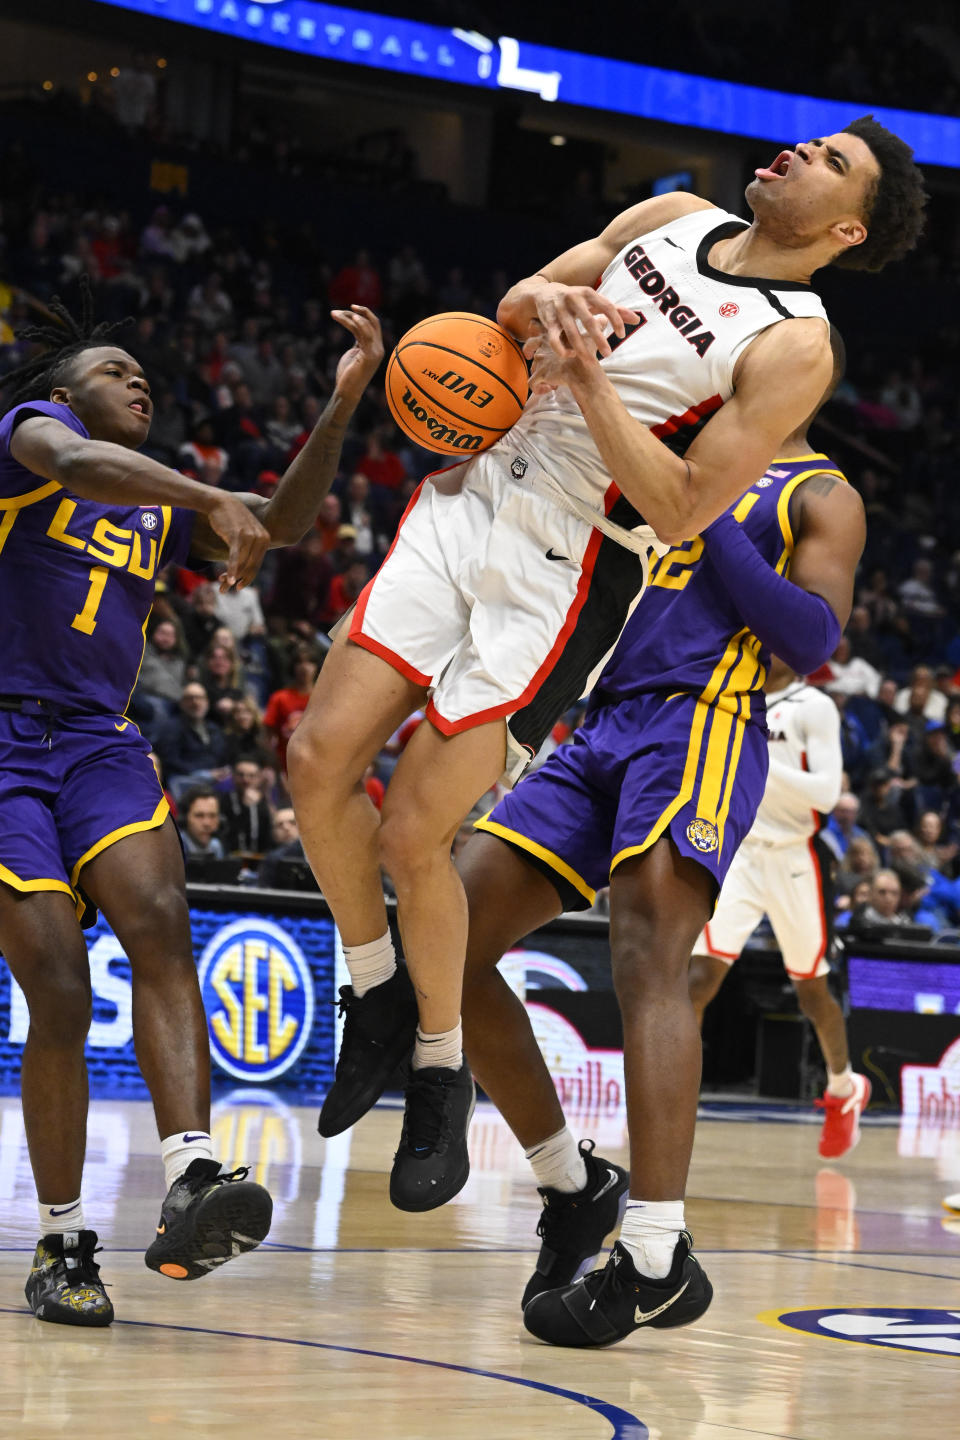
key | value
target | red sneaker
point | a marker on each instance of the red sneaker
(841, 1122)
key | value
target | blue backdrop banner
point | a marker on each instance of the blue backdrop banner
(409, 47)
(268, 987)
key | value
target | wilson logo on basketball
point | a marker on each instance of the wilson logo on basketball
(730, 307)
(438, 430)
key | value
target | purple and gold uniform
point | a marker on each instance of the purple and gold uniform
(674, 740)
(77, 583)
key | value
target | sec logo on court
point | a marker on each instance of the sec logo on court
(930, 1331)
(258, 994)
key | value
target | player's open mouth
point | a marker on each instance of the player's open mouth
(778, 169)
(139, 406)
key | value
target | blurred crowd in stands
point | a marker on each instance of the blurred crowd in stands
(232, 327)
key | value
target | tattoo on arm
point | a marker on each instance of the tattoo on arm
(821, 484)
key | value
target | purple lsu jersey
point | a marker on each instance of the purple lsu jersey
(674, 738)
(686, 633)
(77, 581)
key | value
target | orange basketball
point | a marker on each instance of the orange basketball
(456, 382)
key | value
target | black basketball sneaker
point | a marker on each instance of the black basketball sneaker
(64, 1283)
(609, 1304)
(379, 1031)
(209, 1216)
(432, 1163)
(574, 1226)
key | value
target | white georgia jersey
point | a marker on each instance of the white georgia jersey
(674, 369)
(806, 766)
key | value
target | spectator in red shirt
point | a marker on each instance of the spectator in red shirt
(202, 457)
(285, 707)
(357, 284)
(329, 522)
(345, 590)
(216, 357)
(109, 247)
(381, 465)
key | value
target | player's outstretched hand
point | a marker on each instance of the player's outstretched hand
(357, 365)
(245, 538)
(576, 320)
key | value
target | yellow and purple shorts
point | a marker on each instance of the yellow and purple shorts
(71, 784)
(638, 769)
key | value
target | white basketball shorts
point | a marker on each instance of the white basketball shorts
(789, 884)
(497, 600)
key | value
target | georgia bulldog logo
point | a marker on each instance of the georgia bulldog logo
(702, 835)
(728, 308)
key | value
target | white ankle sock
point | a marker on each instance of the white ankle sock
(558, 1164)
(60, 1219)
(370, 964)
(840, 1084)
(650, 1231)
(180, 1150)
(444, 1049)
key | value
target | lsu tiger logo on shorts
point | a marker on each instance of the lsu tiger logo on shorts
(258, 994)
(703, 835)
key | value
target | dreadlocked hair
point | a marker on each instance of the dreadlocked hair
(62, 340)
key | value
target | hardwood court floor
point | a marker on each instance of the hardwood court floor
(358, 1321)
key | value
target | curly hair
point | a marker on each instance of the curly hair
(61, 342)
(895, 203)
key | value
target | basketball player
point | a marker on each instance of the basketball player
(782, 870)
(85, 526)
(654, 794)
(658, 396)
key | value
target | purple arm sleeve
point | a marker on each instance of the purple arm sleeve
(796, 625)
